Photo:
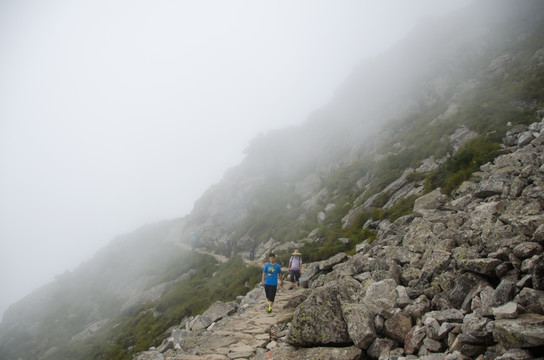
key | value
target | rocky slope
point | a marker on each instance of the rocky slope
(460, 278)
(430, 77)
(397, 120)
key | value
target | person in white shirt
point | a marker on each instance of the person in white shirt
(295, 267)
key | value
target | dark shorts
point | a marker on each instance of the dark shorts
(294, 275)
(270, 291)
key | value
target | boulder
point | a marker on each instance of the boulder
(360, 323)
(527, 331)
(319, 321)
(398, 326)
(317, 353)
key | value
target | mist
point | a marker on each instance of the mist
(114, 114)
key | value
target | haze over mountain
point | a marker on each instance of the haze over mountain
(115, 114)
(422, 174)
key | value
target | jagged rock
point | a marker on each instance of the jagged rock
(452, 315)
(527, 249)
(309, 274)
(476, 330)
(329, 263)
(219, 309)
(317, 353)
(381, 348)
(430, 201)
(148, 355)
(538, 274)
(483, 266)
(432, 328)
(398, 326)
(515, 354)
(506, 311)
(524, 332)
(215, 312)
(414, 339)
(360, 324)
(432, 345)
(532, 300)
(318, 320)
(381, 296)
(418, 308)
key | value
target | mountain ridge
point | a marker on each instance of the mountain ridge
(335, 178)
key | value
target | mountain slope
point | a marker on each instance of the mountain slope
(424, 115)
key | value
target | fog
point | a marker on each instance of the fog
(114, 114)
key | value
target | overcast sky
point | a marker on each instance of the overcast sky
(114, 114)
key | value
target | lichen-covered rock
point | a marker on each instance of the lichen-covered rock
(524, 332)
(319, 321)
(360, 324)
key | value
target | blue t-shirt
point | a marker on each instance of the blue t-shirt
(271, 273)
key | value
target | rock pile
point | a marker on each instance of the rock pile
(457, 279)
(460, 278)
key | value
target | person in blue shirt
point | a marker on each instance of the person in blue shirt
(271, 272)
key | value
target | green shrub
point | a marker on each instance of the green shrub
(460, 167)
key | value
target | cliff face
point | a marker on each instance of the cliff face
(404, 125)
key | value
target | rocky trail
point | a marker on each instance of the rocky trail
(459, 278)
(236, 331)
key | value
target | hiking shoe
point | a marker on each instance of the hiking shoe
(269, 309)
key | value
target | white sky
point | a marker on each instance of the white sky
(114, 114)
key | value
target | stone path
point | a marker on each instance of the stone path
(249, 332)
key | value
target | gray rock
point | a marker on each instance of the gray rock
(398, 326)
(531, 300)
(360, 324)
(451, 315)
(309, 273)
(430, 201)
(506, 311)
(515, 354)
(414, 339)
(524, 332)
(329, 263)
(538, 274)
(381, 295)
(483, 266)
(317, 353)
(432, 328)
(219, 310)
(318, 320)
(433, 345)
(418, 308)
(527, 249)
(489, 188)
(503, 293)
(381, 348)
(475, 330)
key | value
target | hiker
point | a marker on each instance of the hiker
(252, 247)
(295, 267)
(271, 272)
